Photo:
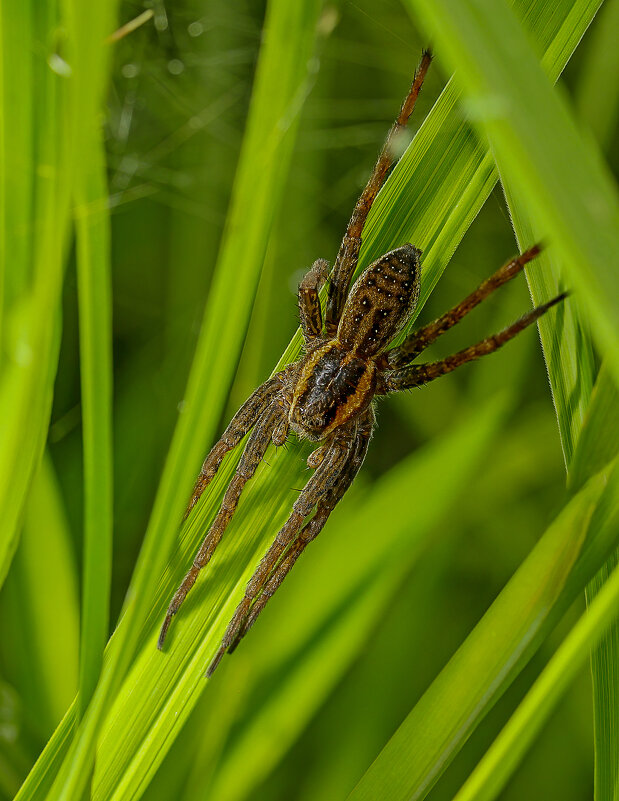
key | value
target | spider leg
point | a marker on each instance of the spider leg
(240, 424)
(323, 479)
(348, 254)
(417, 374)
(419, 340)
(248, 463)
(310, 314)
(312, 528)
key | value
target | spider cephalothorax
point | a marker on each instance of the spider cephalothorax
(328, 395)
(337, 379)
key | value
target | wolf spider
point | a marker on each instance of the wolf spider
(328, 395)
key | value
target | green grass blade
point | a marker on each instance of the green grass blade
(303, 660)
(597, 96)
(280, 89)
(33, 284)
(16, 155)
(89, 62)
(605, 679)
(493, 772)
(534, 137)
(40, 612)
(526, 610)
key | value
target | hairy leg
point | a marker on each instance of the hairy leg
(311, 529)
(348, 254)
(419, 340)
(323, 479)
(251, 458)
(310, 314)
(240, 424)
(417, 374)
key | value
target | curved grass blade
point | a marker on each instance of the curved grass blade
(40, 612)
(33, 283)
(280, 90)
(302, 661)
(494, 770)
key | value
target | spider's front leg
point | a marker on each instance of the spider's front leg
(262, 411)
(348, 253)
(240, 424)
(310, 314)
(326, 478)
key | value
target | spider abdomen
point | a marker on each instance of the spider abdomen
(333, 386)
(380, 302)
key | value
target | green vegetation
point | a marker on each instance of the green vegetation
(161, 194)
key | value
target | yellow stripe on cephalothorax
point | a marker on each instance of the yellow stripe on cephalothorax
(359, 399)
(307, 370)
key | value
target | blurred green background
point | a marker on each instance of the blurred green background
(176, 111)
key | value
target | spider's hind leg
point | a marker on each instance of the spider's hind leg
(419, 340)
(417, 374)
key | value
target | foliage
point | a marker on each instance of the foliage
(225, 180)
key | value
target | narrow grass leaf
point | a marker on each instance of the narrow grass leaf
(90, 66)
(281, 85)
(306, 647)
(31, 329)
(499, 763)
(555, 571)
(40, 614)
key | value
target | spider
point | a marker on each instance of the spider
(328, 396)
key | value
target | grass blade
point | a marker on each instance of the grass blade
(33, 284)
(493, 772)
(280, 90)
(89, 65)
(40, 613)
(306, 647)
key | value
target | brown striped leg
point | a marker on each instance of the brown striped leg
(310, 314)
(240, 424)
(417, 374)
(311, 529)
(419, 340)
(251, 458)
(348, 254)
(322, 480)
